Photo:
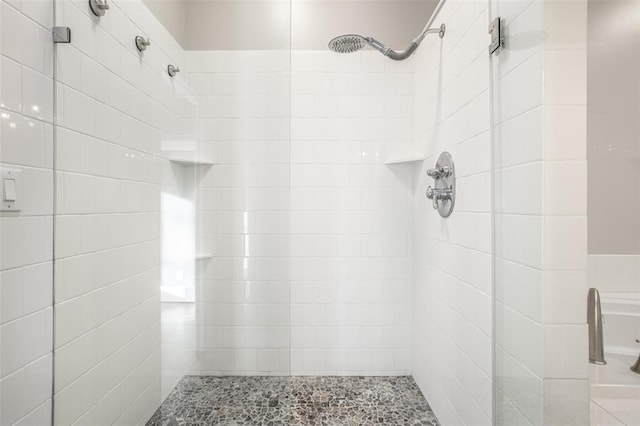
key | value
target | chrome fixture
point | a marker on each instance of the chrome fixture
(438, 195)
(98, 7)
(349, 43)
(636, 365)
(443, 192)
(142, 43)
(172, 70)
(439, 173)
(61, 34)
(594, 320)
(497, 36)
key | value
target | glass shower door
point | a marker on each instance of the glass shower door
(517, 154)
(172, 211)
(237, 173)
(26, 211)
(540, 203)
(115, 105)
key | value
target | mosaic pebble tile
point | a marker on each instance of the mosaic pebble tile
(298, 400)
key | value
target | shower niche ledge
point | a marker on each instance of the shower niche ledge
(191, 161)
(408, 159)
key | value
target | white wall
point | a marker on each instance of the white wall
(320, 222)
(613, 273)
(171, 14)
(115, 107)
(350, 216)
(613, 130)
(566, 374)
(242, 293)
(452, 288)
(26, 238)
(540, 233)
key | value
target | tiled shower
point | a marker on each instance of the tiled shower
(249, 240)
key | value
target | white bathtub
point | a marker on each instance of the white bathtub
(615, 390)
(621, 325)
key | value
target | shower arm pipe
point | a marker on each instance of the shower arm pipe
(404, 54)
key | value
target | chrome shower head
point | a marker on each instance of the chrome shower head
(347, 43)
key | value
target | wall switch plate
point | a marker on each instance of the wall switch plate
(11, 194)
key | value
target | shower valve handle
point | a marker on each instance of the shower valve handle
(437, 195)
(439, 172)
(431, 196)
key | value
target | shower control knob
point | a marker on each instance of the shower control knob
(439, 173)
(438, 195)
(443, 191)
(431, 195)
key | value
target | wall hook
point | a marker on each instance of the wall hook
(142, 43)
(172, 70)
(98, 7)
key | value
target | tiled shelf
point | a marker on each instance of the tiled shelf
(191, 162)
(405, 160)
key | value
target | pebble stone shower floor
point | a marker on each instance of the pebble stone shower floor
(298, 400)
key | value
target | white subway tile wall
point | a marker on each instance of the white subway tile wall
(26, 242)
(350, 214)
(115, 108)
(243, 203)
(452, 288)
(566, 370)
(312, 234)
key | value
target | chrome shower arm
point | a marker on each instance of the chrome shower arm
(401, 55)
(427, 27)
(349, 43)
(377, 45)
(389, 52)
(404, 54)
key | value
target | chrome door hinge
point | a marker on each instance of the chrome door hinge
(497, 36)
(61, 34)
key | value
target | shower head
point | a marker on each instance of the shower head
(348, 43)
